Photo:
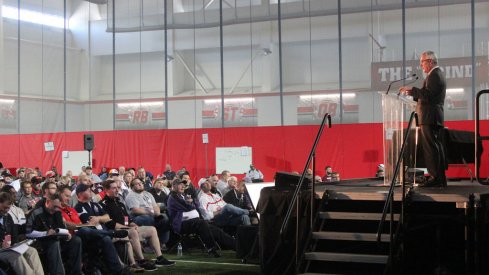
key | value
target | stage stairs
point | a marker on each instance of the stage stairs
(344, 239)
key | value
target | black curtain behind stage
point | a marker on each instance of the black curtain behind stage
(457, 145)
(276, 253)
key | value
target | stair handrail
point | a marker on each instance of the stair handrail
(327, 116)
(477, 137)
(390, 195)
(295, 197)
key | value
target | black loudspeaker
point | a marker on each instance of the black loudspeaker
(88, 142)
(290, 181)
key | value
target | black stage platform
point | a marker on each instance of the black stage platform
(457, 192)
(446, 229)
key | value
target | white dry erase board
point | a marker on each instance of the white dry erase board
(236, 160)
(74, 160)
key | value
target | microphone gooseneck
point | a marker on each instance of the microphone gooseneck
(392, 82)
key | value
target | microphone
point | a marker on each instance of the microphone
(404, 78)
(409, 83)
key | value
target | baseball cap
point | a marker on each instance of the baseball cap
(177, 182)
(82, 188)
(36, 180)
(113, 172)
(6, 173)
(50, 174)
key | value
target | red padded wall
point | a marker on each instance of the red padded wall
(354, 150)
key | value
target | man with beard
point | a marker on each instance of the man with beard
(145, 211)
(144, 178)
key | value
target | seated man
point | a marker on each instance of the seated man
(43, 224)
(330, 176)
(145, 211)
(27, 198)
(160, 192)
(26, 263)
(222, 213)
(118, 213)
(93, 239)
(232, 181)
(254, 174)
(16, 213)
(48, 189)
(214, 179)
(185, 219)
(238, 198)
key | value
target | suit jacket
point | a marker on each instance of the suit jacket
(431, 98)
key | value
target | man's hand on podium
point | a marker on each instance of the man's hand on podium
(406, 90)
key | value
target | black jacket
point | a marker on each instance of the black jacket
(431, 98)
(161, 198)
(9, 228)
(41, 220)
(116, 209)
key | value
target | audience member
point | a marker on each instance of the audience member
(36, 186)
(122, 190)
(186, 220)
(20, 177)
(144, 179)
(127, 178)
(168, 173)
(44, 223)
(160, 192)
(132, 171)
(48, 189)
(223, 181)
(93, 177)
(64, 180)
(38, 171)
(15, 212)
(144, 210)
(25, 263)
(222, 213)
(232, 181)
(254, 174)
(122, 170)
(331, 176)
(189, 186)
(50, 177)
(182, 171)
(92, 239)
(118, 213)
(7, 177)
(27, 199)
(214, 179)
(380, 171)
(238, 198)
(103, 175)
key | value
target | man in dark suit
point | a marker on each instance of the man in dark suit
(430, 100)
